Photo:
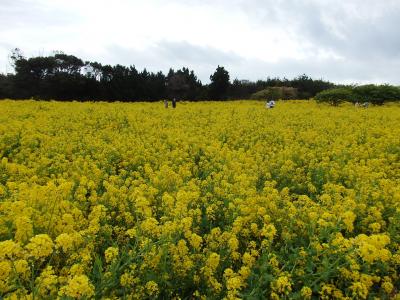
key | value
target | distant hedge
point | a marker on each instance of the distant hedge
(275, 93)
(376, 94)
(335, 96)
(371, 93)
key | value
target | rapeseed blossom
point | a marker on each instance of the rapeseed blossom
(40, 246)
(219, 200)
(111, 254)
(78, 287)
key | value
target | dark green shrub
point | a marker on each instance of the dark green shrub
(335, 96)
(376, 94)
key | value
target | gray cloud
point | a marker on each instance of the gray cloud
(204, 60)
(166, 54)
(346, 71)
(361, 37)
(363, 33)
(28, 14)
(185, 52)
(351, 41)
(358, 29)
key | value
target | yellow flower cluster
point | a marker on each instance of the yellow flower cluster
(210, 200)
(111, 254)
(78, 287)
(40, 246)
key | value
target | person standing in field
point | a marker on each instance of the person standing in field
(271, 104)
(166, 103)
(174, 103)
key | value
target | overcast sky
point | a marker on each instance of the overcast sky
(353, 41)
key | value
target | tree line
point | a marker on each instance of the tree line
(66, 77)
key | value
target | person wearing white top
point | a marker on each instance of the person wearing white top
(271, 104)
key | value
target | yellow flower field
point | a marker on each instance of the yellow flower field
(210, 200)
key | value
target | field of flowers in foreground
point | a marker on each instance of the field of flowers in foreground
(209, 200)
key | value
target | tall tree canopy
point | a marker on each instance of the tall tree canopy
(66, 77)
(219, 84)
